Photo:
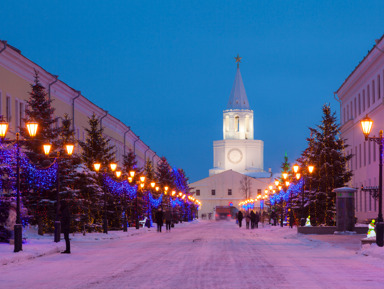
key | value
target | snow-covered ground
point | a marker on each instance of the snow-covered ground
(200, 254)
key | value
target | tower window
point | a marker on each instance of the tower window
(237, 123)
(197, 192)
(229, 192)
(213, 192)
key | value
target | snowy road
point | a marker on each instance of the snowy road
(200, 255)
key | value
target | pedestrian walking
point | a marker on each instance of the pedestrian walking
(240, 218)
(247, 220)
(291, 218)
(159, 220)
(65, 225)
(168, 220)
(257, 219)
(253, 219)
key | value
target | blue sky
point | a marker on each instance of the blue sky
(166, 68)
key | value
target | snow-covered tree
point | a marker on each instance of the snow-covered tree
(96, 146)
(326, 152)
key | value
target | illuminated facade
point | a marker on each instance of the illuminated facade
(16, 75)
(362, 93)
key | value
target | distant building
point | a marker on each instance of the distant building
(237, 157)
(361, 94)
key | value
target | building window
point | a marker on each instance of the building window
(369, 152)
(365, 154)
(237, 123)
(355, 157)
(378, 87)
(363, 100)
(229, 192)
(259, 191)
(368, 97)
(197, 192)
(355, 108)
(374, 152)
(348, 112)
(373, 92)
(17, 116)
(351, 111)
(360, 155)
(361, 200)
(8, 109)
(365, 201)
(344, 115)
(22, 114)
(359, 104)
(213, 192)
(356, 206)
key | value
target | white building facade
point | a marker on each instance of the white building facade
(236, 158)
(238, 150)
(361, 94)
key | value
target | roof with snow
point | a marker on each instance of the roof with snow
(238, 98)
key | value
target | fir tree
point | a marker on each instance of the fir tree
(164, 174)
(327, 155)
(149, 171)
(130, 162)
(96, 146)
(39, 108)
(40, 202)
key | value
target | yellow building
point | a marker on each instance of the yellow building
(17, 73)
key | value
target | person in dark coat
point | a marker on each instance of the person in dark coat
(240, 218)
(253, 219)
(257, 219)
(247, 220)
(168, 220)
(65, 225)
(274, 218)
(159, 220)
(291, 218)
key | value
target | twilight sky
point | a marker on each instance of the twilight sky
(166, 68)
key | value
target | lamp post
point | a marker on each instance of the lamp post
(366, 125)
(32, 130)
(298, 175)
(97, 167)
(141, 185)
(47, 148)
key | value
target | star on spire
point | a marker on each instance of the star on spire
(238, 60)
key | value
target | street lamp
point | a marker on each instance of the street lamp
(47, 148)
(97, 167)
(298, 176)
(366, 125)
(141, 186)
(32, 130)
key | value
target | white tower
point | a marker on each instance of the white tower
(238, 150)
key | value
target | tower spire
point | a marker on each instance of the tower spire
(238, 60)
(238, 97)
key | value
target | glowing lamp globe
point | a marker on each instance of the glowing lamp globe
(69, 148)
(3, 127)
(32, 128)
(97, 166)
(132, 174)
(47, 149)
(366, 125)
(310, 169)
(295, 168)
(118, 174)
(113, 166)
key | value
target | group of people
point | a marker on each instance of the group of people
(251, 218)
(160, 216)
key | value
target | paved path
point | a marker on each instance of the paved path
(202, 255)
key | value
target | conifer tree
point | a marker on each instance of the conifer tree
(164, 173)
(39, 108)
(327, 155)
(40, 202)
(130, 162)
(96, 146)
